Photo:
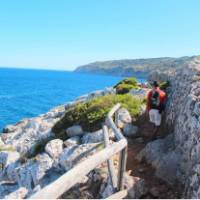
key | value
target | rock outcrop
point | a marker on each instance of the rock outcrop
(182, 120)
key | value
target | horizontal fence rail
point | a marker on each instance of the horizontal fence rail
(72, 177)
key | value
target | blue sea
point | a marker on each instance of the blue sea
(28, 93)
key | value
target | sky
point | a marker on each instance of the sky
(64, 34)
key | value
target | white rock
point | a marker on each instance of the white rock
(75, 130)
(18, 194)
(130, 130)
(72, 155)
(72, 141)
(1, 142)
(9, 128)
(136, 186)
(9, 160)
(54, 148)
(6, 189)
(168, 166)
(94, 137)
(31, 173)
(123, 117)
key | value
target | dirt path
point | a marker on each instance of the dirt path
(157, 188)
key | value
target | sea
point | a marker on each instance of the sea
(26, 93)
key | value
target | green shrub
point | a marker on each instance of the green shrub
(124, 88)
(164, 85)
(198, 57)
(92, 114)
(126, 85)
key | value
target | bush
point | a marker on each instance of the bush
(164, 85)
(126, 85)
(198, 57)
(92, 114)
(124, 88)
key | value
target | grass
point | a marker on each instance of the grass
(92, 114)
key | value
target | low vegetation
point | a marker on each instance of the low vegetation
(198, 57)
(6, 148)
(164, 85)
(126, 85)
(90, 115)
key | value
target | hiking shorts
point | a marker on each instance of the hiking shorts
(155, 117)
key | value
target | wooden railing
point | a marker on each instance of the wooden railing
(75, 175)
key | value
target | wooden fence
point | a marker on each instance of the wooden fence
(75, 175)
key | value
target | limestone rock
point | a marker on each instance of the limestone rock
(168, 166)
(72, 155)
(6, 189)
(9, 128)
(94, 137)
(18, 194)
(130, 130)
(72, 141)
(75, 130)
(9, 160)
(123, 117)
(136, 186)
(30, 174)
(54, 148)
(1, 142)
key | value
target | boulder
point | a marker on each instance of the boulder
(31, 173)
(75, 130)
(123, 117)
(6, 189)
(94, 137)
(168, 166)
(130, 130)
(9, 128)
(155, 150)
(72, 155)
(72, 141)
(18, 194)
(136, 186)
(9, 160)
(54, 148)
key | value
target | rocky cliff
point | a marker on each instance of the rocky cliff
(176, 158)
(132, 67)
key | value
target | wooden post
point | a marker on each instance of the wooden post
(111, 169)
(122, 168)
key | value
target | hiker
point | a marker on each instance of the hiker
(155, 106)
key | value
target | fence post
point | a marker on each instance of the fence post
(122, 168)
(111, 169)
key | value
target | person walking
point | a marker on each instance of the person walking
(155, 106)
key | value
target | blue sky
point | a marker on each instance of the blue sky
(63, 34)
